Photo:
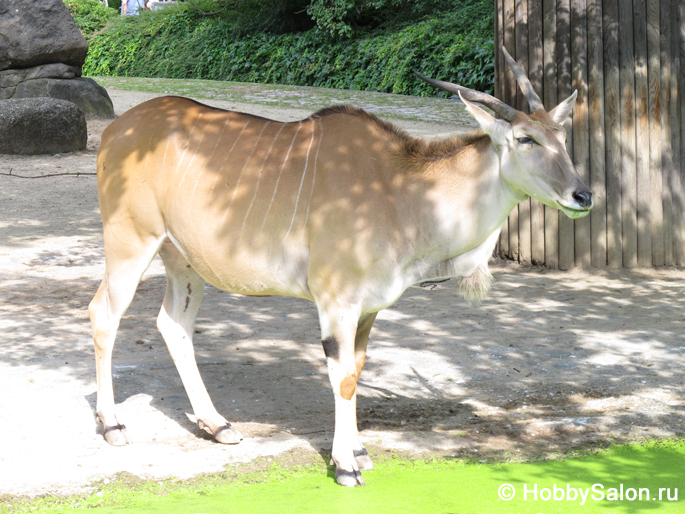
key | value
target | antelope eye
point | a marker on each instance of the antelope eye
(526, 140)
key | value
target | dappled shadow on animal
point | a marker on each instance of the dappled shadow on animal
(341, 209)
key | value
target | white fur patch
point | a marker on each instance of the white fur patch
(476, 286)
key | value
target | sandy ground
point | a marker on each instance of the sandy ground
(550, 361)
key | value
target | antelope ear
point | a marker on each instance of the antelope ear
(562, 111)
(496, 129)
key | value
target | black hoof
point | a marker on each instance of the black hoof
(116, 435)
(225, 435)
(349, 478)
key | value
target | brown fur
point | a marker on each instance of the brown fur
(416, 152)
(348, 386)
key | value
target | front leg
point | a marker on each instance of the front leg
(361, 340)
(339, 329)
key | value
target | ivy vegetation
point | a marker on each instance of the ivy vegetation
(372, 45)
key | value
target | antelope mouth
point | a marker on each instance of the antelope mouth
(575, 212)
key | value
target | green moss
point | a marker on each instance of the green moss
(400, 485)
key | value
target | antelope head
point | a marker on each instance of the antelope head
(531, 148)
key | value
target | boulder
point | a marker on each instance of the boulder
(41, 126)
(91, 97)
(35, 32)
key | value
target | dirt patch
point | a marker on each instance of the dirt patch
(550, 361)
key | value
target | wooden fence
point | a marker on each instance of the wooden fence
(626, 58)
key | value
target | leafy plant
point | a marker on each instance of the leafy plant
(90, 15)
(186, 42)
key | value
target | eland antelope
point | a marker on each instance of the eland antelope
(341, 208)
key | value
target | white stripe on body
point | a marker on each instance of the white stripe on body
(259, 177)
(266, 214)
(180, 161)
(297, 200)
(316, 160)
(240, 177)
(209, 159)
(203, 252)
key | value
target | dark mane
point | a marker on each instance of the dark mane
(417, 150)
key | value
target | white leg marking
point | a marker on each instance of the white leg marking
(280, 173)
(240, 177)
(259, 177)
(297, 200)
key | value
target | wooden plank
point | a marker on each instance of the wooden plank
(612, 121)
(500, 80)
(581, 135)
(626, 54)
(666, 147)
(598, 217)
(521, 48)
(566, 237)
(535, 44)
(498, 41)
(680, 255)
(522, 105)
(676, 126)
(644, 188)
(655, 171)
(512, 243)
(549, 8)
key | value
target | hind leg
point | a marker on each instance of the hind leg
(125, 265)
(176, 322)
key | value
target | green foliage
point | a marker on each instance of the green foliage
(90, 15)
(346, 17)
(256, 16)
(186, 42)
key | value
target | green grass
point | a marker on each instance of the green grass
(435, 486)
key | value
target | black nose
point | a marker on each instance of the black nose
(584, 198)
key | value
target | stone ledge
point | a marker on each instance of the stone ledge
(12, 78)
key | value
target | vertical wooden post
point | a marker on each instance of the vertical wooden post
(598, 216)
(564, 90)
(522, 105)
(549, 8)
(626, 54)
(512, 242)
(500, 92)
(644, 189)
(678, 17)
(535, 74)
(666, 118)
(654, 119)
(612, 123)
(680, 136)
(581, 135)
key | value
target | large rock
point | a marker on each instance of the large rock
(41, 125)
(57, 81)
(35, 32)
(91, 98)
